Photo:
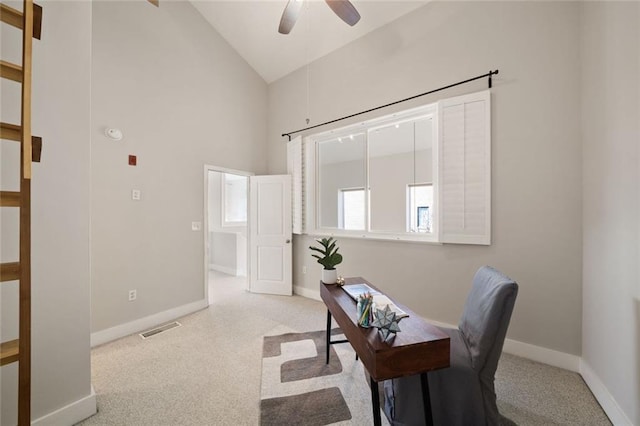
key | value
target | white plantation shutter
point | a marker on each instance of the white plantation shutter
(295, 168)
(465, 169)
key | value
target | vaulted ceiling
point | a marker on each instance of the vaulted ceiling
(251, 27)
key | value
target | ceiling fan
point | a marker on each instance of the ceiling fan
(343, 8)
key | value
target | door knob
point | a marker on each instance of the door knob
(288, 241)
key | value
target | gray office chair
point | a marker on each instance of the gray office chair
(462, 394)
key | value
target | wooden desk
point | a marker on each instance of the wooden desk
(418, 348)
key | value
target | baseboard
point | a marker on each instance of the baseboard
(113, 333)
(70, 414)
(604, 397)
(305, 292)
(543, 355)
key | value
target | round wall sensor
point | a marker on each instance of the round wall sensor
(114, 134)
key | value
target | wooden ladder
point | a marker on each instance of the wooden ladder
(19, 350)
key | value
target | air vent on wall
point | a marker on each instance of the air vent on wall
(158, 330)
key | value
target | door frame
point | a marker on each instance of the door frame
(205, 240)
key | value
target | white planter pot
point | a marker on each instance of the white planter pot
(329, 276)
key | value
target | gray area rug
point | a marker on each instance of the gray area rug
(299, 388)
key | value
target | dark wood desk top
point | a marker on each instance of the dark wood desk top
(419, 346)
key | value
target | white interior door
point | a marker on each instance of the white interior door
(270, 234)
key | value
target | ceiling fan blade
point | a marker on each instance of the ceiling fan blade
(290, 16)
(345, 10)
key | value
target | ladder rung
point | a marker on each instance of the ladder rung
(9, 352)
(14, 133)
(13, 17)
(9, 271)
(10, 132)
(9, 199)
(10, 71)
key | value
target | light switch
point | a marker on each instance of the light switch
(135, 194)
(196, 226)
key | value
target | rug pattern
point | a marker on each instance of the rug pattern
(299, 388)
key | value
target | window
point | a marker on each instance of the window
(400, 155)
(341, 164)
(234, 190)
(419, 207)
(351, 209)
(419, 175)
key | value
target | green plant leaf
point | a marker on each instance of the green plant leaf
(329, 251)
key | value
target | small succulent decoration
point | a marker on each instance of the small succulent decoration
(329, 256)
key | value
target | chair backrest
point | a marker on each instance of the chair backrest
(486, 317)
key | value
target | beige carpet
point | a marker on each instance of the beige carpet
(208, 372)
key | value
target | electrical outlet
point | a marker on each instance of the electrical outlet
(132, 295)
(304, 269)
(196, 226)
(135, 194)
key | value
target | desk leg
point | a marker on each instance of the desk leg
(375, 402)
(328, 334)
(426, 399)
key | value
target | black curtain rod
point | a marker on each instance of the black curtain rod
(489, 74)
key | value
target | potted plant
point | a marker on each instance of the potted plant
(328, 258)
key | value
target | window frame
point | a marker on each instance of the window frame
(312, 144)
(462, 125)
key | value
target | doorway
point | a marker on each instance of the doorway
(226, 231)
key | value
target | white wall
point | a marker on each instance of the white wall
(183, 98)
(611, 207)
(61, 372)
(537, 166)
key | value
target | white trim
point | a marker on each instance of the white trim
(604, 397)
(305, 292)
(543, 355)
(310, 178)
(70, 414)
(113, 333)
(423, 238)
(296, 168)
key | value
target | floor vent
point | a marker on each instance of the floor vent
(158, 330)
